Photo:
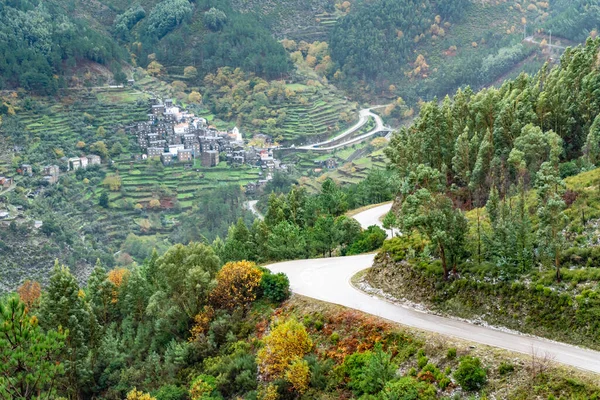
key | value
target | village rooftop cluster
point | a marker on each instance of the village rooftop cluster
(176, 135)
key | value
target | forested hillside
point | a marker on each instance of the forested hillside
(574, 20)
(423, 49)
(39, 40)
(378, 37)
(502, 155)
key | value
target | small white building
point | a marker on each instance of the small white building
(174, 149)
(84, 162)
(93, 159)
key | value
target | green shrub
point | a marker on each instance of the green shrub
(406, 353)
(275, 287)
(369, 240)
(451, 353)
(319, 324)
(470, 375)
(444, 383)
(407, 389)
(335, 337)
(422, 361)
(320, 372)
(430, 368)
(404, 247)
(505, 368)
(171, 392)
(369, 371)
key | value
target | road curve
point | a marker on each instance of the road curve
(251, 206)
(364, 116)
(371, 217)
(328, 279)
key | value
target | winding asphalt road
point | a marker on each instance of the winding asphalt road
(328, 279)
(364, 116)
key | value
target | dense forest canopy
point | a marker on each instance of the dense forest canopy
(488, 147)
(39, 39)
(574, 19)
(208, 34)
(376, 37)
(473, 137)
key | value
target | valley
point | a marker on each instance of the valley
(293, 200)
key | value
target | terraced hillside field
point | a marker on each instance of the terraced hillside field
(54, 128)
(353, 164)
(175, 186)
(317, 117)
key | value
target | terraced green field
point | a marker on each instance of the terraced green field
(60, 125)
(140, 184)
(318, 118)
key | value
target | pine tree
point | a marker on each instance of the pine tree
(592, 144)
(29, 358)
(100, 294)
(64, 308)
(552, 219)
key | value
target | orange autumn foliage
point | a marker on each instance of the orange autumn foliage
(117, 277)
(29, 293)
(237, 285)
(202, 322)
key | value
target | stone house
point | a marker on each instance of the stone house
(158, 109)
(196, 149)
(5, 181)
(84, 162)
(155, 151)
(210, 158)
(331, 163)
(74, 163)
(250, 187)
(184, 155)
(166, 158)
(51, 174)
(27, 169)
(94, 159)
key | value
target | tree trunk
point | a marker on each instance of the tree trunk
(478, 238)
(557, 265)
(444, 262)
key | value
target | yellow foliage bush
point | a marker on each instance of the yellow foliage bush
(139, 395)
(237, 285)
(287, 341)
(154, 203)
(268, 393)
(298, 374)
(202, 387)
(113, 182)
